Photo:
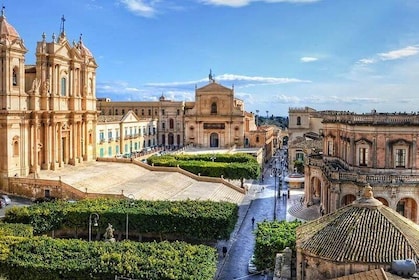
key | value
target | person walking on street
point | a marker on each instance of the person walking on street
(253, 221)
(224, 251)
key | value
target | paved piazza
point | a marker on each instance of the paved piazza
(115, 178)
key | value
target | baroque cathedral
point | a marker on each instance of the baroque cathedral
(48, 110)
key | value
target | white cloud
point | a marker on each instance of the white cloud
(401, 53)
(366, 61)
(308, 59)
(237, 80)
(242, 3)
(391, 55)
(140, 7)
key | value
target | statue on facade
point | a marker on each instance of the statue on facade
(35, 86)
(109, 234)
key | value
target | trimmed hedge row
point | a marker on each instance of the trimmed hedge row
(50, 259)
(236, 166)
(273, 237)
(200, 220)
(21, 230)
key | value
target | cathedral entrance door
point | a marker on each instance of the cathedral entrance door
(214, 140)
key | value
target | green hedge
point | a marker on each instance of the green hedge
(273, 237)
(49, 259)
(200, 220)
(230, 166)
(16, 230)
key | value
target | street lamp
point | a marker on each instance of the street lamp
(131, 199)
(275, 172)
(95, 217)
(213, 157)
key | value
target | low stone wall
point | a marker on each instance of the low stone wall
(33, 188)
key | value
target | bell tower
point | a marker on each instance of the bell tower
(12, 68)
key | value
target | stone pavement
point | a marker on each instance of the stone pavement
(130, 179)
(297, 210)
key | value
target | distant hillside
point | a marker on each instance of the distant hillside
(274, 120)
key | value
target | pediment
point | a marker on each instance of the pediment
(214, 87)
(130, 117)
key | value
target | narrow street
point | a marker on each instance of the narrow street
(259, 203)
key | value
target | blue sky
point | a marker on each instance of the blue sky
(326, 54)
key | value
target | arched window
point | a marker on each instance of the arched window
(63, 86)
(15, 146)
(298, 120)
(257, 139)
(14, 75)
(171, 124)
(214, 108)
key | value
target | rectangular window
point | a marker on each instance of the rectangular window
(300, 156)
(149, 112)
(63, 87)
(101, 135)
(330, 148)
(400, 158)
(363, 156)
(162, 112)
(109, 134)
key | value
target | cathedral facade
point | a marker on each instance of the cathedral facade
(47, 110)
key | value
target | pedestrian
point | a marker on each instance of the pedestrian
(253, 221)
(224, 251)
(263, 178)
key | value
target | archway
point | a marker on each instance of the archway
(408, 208)
(214, 140)
(382, 200)
(171, 139)
(316, 187)
(348, 199)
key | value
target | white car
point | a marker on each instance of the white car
(6, 199)
(251, 267)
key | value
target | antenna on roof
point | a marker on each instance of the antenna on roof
(62, 25)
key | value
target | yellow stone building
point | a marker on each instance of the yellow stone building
(47, 110)
(125, 135)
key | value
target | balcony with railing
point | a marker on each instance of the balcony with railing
(336, 169)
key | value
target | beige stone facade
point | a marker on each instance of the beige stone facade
(304, 128)
(216, 119)
(168, 114)
(125, 135)
(359, 149)
(48, 110)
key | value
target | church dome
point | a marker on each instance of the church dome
(365, 231)
(7, 31)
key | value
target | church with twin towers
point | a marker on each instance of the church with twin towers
(50, 116)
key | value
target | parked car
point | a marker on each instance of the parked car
(251, 267)
(6, 199)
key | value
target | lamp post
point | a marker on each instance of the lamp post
(95, 217)
(275, 172)
(131, 199)
(213, 157)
